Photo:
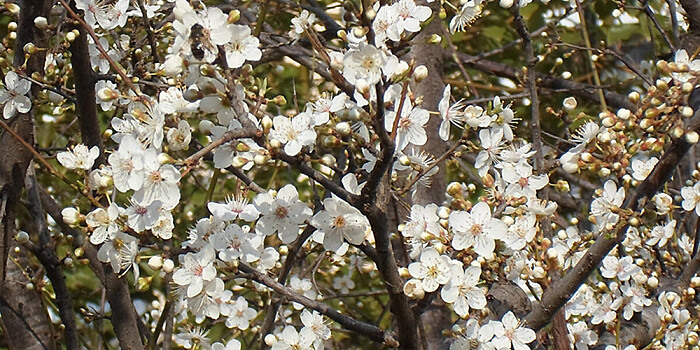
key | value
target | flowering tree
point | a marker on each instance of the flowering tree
(365, 174)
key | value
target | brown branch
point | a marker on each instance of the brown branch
(532, 88)
(586, 91)
(649, 13)
(46, 254)
(86, 107)
(149, 31)
(271, 313)
(368, 330)
(226, 137)
(692, 11)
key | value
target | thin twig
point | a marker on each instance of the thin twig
(99, 47)
(652, 17)
(440, 159)
(368, 330)
(587, 41)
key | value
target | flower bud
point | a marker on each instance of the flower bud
(168, 265)
(71, 216)
(233, 16)
(633, 97)
(155, 262)
(205, 126)
(687, 87)
(420, 73)
(686, 111)
(570, 103)
(22, 237)
(692, 137)
(343, 128)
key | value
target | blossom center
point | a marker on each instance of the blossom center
(523, 182)
(155, 177)
(339, 222)
(281, 212)
(476, 229)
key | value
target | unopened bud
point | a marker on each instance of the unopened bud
(168, 265)
(205, 127)
(692, 137)
(155, 262)
(71, 216)
(22, 237)
(233, 16)
(633, 97)
(420, 73)
(343, 128)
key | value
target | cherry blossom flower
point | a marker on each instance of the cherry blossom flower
(606, 309)
(173, 101)
(127, 164)
(623, 268)
(242, 47)
(315, 327)
(521, 182)
(691, 197)
(13, 95)
(294, 133)
(325, 105)
(521, 232)
(234, 243)
(683, 58)
(603, 207)
(433, 269)
(194, 337)
(636, 299)
(197, 269)
(290, 339)
(476, 228)
(642, 168)
(302, 22)
(451, 114)
(232, 344)
(365, 63)
(234, 208)
(142, 217)
(340, 221)
(282, 213)
(491, 142)
(79, 157)
(240, 314)
(120, 252)
(104, 223)
(179, 138)
(508, 334)
(409, 18)
(462, 291)
(473, 337)
(581, 335)
(210, 29)
(423, 220)
(160, 183)
(383, 23)
(469, 12)
(303, 287)
(661, 234)
(586, 133)
(411, 125)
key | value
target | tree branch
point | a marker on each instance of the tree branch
(370, 331)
